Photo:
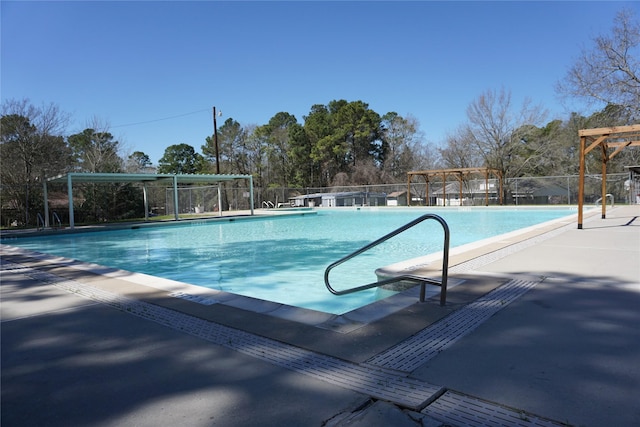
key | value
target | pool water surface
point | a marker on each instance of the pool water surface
(283, 258)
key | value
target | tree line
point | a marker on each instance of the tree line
(339, 143)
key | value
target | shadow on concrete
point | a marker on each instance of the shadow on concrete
(568, 350)
(98, 366)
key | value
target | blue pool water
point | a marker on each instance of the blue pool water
(282, 259)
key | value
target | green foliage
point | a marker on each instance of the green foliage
(304, 169)
(181, 159)
(275, 139)
(138, 162)
(345, 137)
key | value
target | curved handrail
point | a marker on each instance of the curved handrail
(39, 220)
(56, 219)
(422, 280)
(608, 195)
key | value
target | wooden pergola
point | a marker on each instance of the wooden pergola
(460, 174)
(611, 141)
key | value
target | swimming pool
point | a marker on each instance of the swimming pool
(282, 259)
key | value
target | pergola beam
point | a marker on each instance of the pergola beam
(609, 130)
(595, 144)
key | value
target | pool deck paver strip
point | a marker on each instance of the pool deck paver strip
(411, 353)
(461, 410)
(508, 266)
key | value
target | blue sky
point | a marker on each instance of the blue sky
(154, 70)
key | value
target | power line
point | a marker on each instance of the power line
(160, 120)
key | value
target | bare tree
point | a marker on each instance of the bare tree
(48, 118)
(31, 146)
(609, 72)
(498, 129)
(460, 150)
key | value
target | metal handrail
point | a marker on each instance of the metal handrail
(39, 220)
(607, 196)
(56, 218)
(422, 280)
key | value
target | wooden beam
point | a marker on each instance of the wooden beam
(631, 143)
(619, 149)
(609, 130)
(450, 170)
(595, 144)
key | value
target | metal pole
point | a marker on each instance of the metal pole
(46, 201)
(251, 192)
(70, 195)
(145, 198)
(175, 197)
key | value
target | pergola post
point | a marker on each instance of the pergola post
(409, 189)
(486, 188)
(426, 193)
(444, 189)
(583, 143)
(501, 183)
(604, 180)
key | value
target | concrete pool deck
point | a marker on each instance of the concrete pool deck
(547, 329)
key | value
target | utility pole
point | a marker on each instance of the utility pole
(215, 141)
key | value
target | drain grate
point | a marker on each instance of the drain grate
(372, 381)
(428, 343)
(459, 409)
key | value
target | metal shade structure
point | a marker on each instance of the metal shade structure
(144, 178)
(611, 141)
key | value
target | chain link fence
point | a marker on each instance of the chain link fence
(552, 190)
(234, 196)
